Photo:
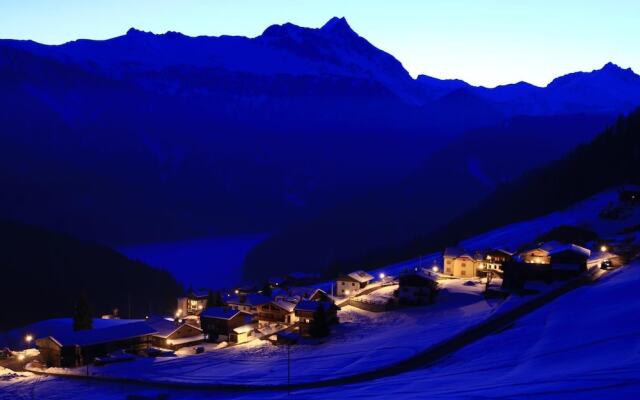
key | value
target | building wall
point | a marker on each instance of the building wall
(461, 266)
(352, 286)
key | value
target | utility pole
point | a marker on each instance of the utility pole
(289, 369)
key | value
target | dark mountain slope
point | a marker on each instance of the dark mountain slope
(362, 231)
(44, 273)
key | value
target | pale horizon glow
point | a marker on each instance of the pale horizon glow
(484, 42)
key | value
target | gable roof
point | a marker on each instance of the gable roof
(361, 276)
(104, 335)
(219, 313)
(457, 252)
(164, 327)
(574, 248)
(285, 305)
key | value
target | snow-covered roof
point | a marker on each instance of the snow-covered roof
(219, 313)
(104, 335)
(165, 328)
(572, 248)
(457, 252)
(310, 305)
(245, 328)
(361, 276)
(285, 305)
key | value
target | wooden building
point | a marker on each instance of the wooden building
(193, 303)
(243, 334)
(305, 313)
(417, 287)
(276, 312)
(493, 259)
(173, 335)
(74, 349)
(353, 283)
(218, 322)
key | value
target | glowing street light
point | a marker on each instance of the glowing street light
(236, 291)
(347, 292)
(21, 357)
(28, 338)
(382, 275)
(603, 248)
(435, 268)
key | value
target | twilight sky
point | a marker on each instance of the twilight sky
(485, 42)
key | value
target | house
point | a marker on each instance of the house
(417, 287)
(173, 335)
(460, 263)
(353, 283)
(218, 322)
(243, 334)
(305, 313)
(247, 303)
(539, 253)
(493, 259)
(74, 349)
(276, 312)
(568, 260)
(193, 303)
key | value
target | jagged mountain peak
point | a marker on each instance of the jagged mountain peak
(337, 25)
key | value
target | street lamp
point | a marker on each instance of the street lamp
(435, 268)
(28, 338)
(382, 275)
(603, 248)
(236, 291)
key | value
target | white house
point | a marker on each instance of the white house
(353, 283)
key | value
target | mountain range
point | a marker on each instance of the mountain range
(147, 137)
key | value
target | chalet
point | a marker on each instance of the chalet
(353, 283)
(173, 335)
(218, 322)
(247, 303)
(417, 287)
(305, 312)
(74, 349)
(461, 263)
(493, 259)
(193, 303)
(539, 253)
(276, 312)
